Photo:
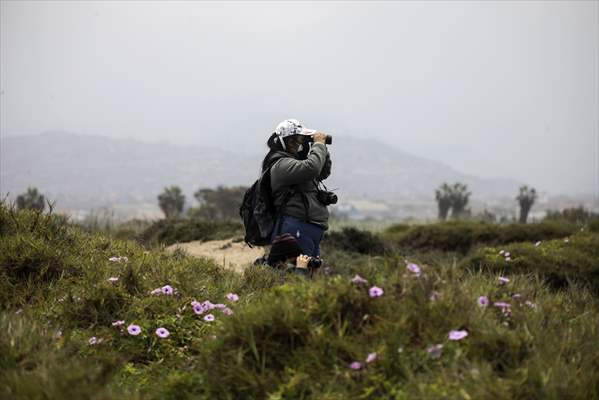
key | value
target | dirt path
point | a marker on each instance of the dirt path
(227, 253)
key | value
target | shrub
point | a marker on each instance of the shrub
(461, 236)
(175, 231)
(557, 261)
(355, 240)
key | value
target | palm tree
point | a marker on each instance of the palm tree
(443, 197)
(526, 198)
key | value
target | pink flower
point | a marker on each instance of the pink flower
(162, 333)
(415, 269)
(371, 357)
(375, 291)
(113, 279)
(232, 297)
(483, 301)
(198, 309)
(227, 311)
(503, 280)
(356, 365)
(118, 323)
(208, 305)
(358, 279)
(209, 318)
(435, 351)
(134, 330)
(167, 289)
(457, 335)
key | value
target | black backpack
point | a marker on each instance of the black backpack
(258, 210)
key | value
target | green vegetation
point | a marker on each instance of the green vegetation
(461, 236)
(185, 230)
(171, 201)
(64, 288)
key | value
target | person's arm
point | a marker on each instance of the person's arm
(290, 171)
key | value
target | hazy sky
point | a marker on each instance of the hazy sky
(508, 89)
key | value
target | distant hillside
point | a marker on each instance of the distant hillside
(90, 171)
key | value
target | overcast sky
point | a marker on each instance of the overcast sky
(507, 89)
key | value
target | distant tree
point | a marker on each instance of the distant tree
(443, 197)
(32, 200)
(526, 198)
(221, 203)
(576, 215)
(171, 202)
(459, 200)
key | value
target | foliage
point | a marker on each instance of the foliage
(461, 236)
(287, 337)
(221, 203)
(454, 198)
(526, 199)
(171, 202)
(354, 240)
(575, 215)
(559, 261)
(184, 230)
(32, 200)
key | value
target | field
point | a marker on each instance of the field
(440, 311)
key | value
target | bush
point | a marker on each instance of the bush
(460, 236)
(559, 262)
(354, 240)
(183, 230)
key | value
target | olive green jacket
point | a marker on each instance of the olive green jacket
(304, 174)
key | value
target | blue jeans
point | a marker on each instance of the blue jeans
(308, 235)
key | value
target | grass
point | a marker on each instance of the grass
(287, 337)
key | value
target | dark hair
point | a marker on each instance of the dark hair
(274, 145)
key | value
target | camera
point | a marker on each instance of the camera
(326, 197)
(327, 140)
(314, 262)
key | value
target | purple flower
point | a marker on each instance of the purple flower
(220, 306)
(457, 335)
(375, 291)
(483, 301)
(227, 311)
(118, 323)
(371, 357)
(208, 305)
(503, 280)
(93, 340)
(356, 365)
(413, 268)
(209, 318)
(198, 308)
(435, 351)
(501, 304)
(156, 291)
(516, 296)
(358, 279)
(134, 330)
(113, 279)
(232, 297)
(167, 289)
(507, 254)
(162, 333)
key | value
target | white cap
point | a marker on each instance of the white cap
(291, 127)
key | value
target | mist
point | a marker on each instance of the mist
(496, 89)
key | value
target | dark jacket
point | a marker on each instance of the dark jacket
(289, 171)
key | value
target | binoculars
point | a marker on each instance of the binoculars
(328, 139)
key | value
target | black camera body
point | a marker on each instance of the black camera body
(314, 262)
(326, 198)
(327, 140)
